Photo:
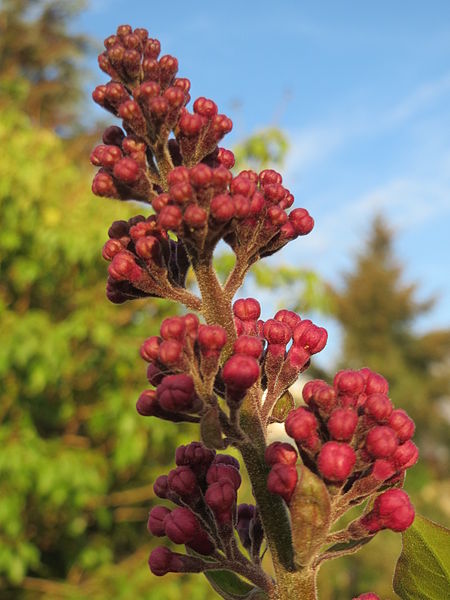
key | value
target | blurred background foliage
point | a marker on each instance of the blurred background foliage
(76, 462)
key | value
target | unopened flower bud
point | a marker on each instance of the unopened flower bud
(247, 309)
(156, 520)
(182, 481)
(349, 382)
(405, 455)
(282, 480)
(374, 382)
(402, 424)
(301, 424)
(280, 452)
(221, 472)
(226, 459)
(381, 442)
(221, 496)
(342, 424)
(378, 406)
(240, 372)
(211, 339)
(336, 461)
(181, 525)
(176, 393)
(391, 510)
(250, 345)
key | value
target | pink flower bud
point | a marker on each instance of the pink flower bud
(247, 309)
(226, 158)
(391, 510)
(156, 520)
(249, 345)
(170, 352)
(374, 383)
(221, 125)
(190, 125)
(111, 248)
(349, 382)
(405, 455)
(222, 208)
(378, 406)
(147, 404)
(161, 486)
(381, 442)
(301, 221)
(176, 393)
(270, 177)
(280, 452)
(205, 107)
(149, 248)
(220, 496)
(309, 336)
(195, 216)
(342, 424)
(192, 323)
(383, 469)
(195, 455)
(170, 217)
(367, 596)
(221, 472)
(282, 480)
(211, 339)
(240, 372)
(181, 525)
(159, 561)
(277, 332)
(173, 328)
(182, 481)
(300, 424)
(124, 268)
(402, 424)
(288, 317)
(336, 461)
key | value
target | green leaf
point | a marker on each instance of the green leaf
(423, 569)
(282, 407)
(232, 587)
(310, 509)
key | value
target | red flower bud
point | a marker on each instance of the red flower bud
(222, 208)
(402, 424)
(161, 486)
(202, 543)
(149, 349)
(182, 481)
(349, 382)
(181, 192)
(170, 352)
(226, 158)
(111, 248)
(378, 406)
(181, 526)
(301, 221)
(277, 332)
(383, 469)
(173, 328)
(342, 424)
(336, 461)
(124, 268)
(367, 596)
(381, 442)
(221, 496)
(148, 248)
(127, 170)
(190, 125)
(391, 510)
(280, 452)
(147, 404)
(152, 48)
(200, 175)
(249, 345)
(195, 455)
(406, 455)
(156, 520)
(205, 107)
(176, 393)
(170, 217)
(113, 136)
(288, 317)
(374, 383)
(240, 372)
(221, 125)
(247, 309)
(160, 560)
(309, 336)
(270, 177)
(195, 216)
(222, 472)
(282, 480)
(300, 424)
(211, 339)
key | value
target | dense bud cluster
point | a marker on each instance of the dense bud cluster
(232, 374)
(204, 487)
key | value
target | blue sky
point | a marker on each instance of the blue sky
(362, 90)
